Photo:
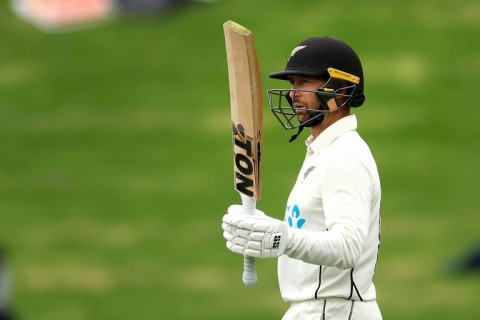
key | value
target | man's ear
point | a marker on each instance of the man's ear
(341, 98)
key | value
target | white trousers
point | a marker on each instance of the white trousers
(333, 309)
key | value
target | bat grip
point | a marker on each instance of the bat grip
(249, 276)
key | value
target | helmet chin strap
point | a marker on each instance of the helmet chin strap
(300, 129)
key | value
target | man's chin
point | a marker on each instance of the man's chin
(304, 117)
(308, 120)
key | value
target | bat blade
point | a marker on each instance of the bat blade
(246, 104)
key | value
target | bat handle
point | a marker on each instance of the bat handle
(249, 276)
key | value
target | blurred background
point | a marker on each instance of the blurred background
(116, 157)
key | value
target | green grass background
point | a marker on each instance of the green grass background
(116, 165)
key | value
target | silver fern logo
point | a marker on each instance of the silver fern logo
(296, 50)
(307, 172)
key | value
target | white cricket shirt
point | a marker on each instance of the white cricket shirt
(334, 214)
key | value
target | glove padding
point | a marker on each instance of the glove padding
(258, 236)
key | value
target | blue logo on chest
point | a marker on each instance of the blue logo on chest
(293, 217)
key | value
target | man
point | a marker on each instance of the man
(327, 245)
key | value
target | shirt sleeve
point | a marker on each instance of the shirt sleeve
(346, 196)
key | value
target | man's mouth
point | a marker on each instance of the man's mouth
(300, 110)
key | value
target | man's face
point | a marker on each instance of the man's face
(305, 100)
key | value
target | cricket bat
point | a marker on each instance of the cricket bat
(246, 104)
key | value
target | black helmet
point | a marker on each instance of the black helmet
(315, 56)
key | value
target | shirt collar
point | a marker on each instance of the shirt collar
(345, 124)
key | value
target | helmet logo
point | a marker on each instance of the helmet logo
(335, 73)
(296, 50)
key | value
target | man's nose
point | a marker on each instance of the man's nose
(293, 94)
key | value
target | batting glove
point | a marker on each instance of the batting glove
(258, 236)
